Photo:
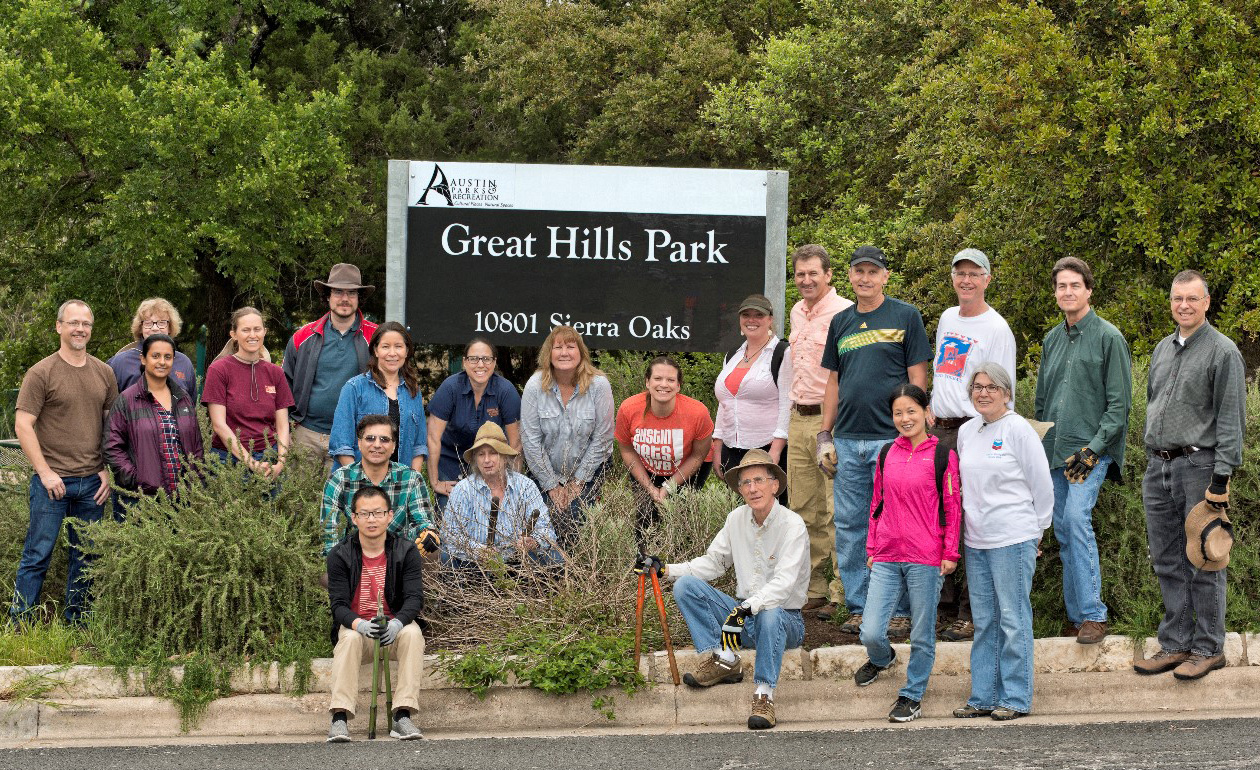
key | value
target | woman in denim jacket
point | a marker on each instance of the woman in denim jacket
(390, 386)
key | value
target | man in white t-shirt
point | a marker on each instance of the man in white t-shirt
(968, 335)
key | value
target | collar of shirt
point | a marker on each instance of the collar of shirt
(1081, 326)
(771, 517)
(354, 472)
(829, 302)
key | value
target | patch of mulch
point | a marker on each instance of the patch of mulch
(826, 633)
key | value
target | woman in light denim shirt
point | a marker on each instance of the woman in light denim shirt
(390, 386)
(567, 429)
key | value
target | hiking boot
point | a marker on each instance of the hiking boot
(404, 729)
(1197, 666)
(1164, 660)
(339, 732)
(1003, 714)
(1091, 632)
(762, 717)
(899, 628)
(815, 603)
(904, 710)
(828, 611)
(969, 711)
(715, 671)
(959, 631)
(869, 672)
(851, 626)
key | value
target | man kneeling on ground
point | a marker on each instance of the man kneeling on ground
(769, 547)
(359, 569)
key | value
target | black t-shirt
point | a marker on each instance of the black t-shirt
(870, 353)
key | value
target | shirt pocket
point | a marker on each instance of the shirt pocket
(1193, 389)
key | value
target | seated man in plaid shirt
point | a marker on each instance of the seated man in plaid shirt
(408, 494)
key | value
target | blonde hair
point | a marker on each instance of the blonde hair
(155, 306)
(586, 369)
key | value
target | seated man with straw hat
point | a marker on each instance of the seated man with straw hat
(495, 510)
(768, 546)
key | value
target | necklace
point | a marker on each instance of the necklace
(984, 425)
(750, 357)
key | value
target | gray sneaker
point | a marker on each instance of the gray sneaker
(405, 730)
(339, 732)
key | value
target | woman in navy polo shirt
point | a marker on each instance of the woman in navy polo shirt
(460, 406)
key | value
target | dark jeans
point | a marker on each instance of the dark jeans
(41, 537)
(1194, 599)
(732, 456)
(567, 521)
(955, 598)
(647, 514)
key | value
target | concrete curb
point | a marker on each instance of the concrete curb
(815, 686)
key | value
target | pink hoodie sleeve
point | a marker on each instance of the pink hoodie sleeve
(952, 494)
(877, 496)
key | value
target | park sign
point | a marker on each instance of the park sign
(633, 258)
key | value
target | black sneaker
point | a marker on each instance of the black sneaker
(869, 671)
(904, 710)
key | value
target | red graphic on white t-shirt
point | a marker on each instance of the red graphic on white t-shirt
(661, 449)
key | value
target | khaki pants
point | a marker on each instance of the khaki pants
(315, 444)
(353, 650)
(809, 495)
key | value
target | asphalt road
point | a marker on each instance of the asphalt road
(1221, 743)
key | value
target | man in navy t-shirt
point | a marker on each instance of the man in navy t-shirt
(871, 348)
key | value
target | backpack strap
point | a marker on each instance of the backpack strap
(883, 454)
(941, 461)
(776, 360)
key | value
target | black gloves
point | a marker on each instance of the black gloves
(733, 628)
(429, 540)
(644, 564)
(1079, 465)
(1217, 494)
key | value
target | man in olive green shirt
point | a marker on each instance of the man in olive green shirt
(1084, 387)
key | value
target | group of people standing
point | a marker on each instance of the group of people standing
(830, 437)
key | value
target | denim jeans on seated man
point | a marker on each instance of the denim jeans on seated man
(1078, 547)
(770, 631)
(1194, 599)
(853, 486)
(889, 583)
(1002, 651)
(47, 516)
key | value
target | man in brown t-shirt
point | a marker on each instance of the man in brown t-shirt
(61, 411)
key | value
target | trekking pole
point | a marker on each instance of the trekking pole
(376, 669)
(669, 646)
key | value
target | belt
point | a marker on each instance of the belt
(807, 410)
(951, 423)
(1172, 454)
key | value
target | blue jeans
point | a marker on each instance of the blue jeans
(889, 582)
(769, 632)
(854, 484)
(1194, 599)
(1078, 549)
(1000, 580)
(41, 537)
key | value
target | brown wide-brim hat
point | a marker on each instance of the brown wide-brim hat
(753, 458)
(490, 434)
(1209, 537)
(344, 276)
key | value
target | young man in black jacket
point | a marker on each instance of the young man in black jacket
(359, 570)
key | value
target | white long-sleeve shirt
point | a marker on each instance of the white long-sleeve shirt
(1007, 493)
(759, 412)
(771, 561)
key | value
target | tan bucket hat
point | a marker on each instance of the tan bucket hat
(1209, 537)
(753, 458)
(344, 276)
(490, 434)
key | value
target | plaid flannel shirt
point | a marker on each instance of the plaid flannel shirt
(408, 495)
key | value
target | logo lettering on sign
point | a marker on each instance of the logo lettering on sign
(438, 184)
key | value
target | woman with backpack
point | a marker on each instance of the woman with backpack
(911, 544)
(752, 408)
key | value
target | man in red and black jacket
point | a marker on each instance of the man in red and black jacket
(375, 564)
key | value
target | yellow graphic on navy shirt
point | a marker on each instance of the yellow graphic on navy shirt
(852, 342)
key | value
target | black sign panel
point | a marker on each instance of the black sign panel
(623, 280)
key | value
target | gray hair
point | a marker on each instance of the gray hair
(996, 373)
(61, 311)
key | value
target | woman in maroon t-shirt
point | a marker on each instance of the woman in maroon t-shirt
(248, 399)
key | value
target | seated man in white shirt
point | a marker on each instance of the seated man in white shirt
(768, 546)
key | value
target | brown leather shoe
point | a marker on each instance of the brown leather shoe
(762, 716)
(1092, 632)
(1164, 660)
(1069, 629)
(828, 611)
(1198, 666)
(713, 671)
(815, 603)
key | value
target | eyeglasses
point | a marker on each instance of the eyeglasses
(1187, 300)
(755, 481)
(986, 389)
(78, 324)
(373, 439)
(343, 292)
(478, 359)
(155, 325)
(374, 514)
(968, 276)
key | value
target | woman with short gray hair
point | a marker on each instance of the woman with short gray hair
(1008, 501)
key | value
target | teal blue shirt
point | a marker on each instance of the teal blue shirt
(338, 362)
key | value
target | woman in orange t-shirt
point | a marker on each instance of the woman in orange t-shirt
(664, 438)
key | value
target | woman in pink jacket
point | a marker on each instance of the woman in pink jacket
(912, 543)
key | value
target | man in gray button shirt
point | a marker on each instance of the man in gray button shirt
(1196, 402)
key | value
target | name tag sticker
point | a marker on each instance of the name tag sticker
(270, 389)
